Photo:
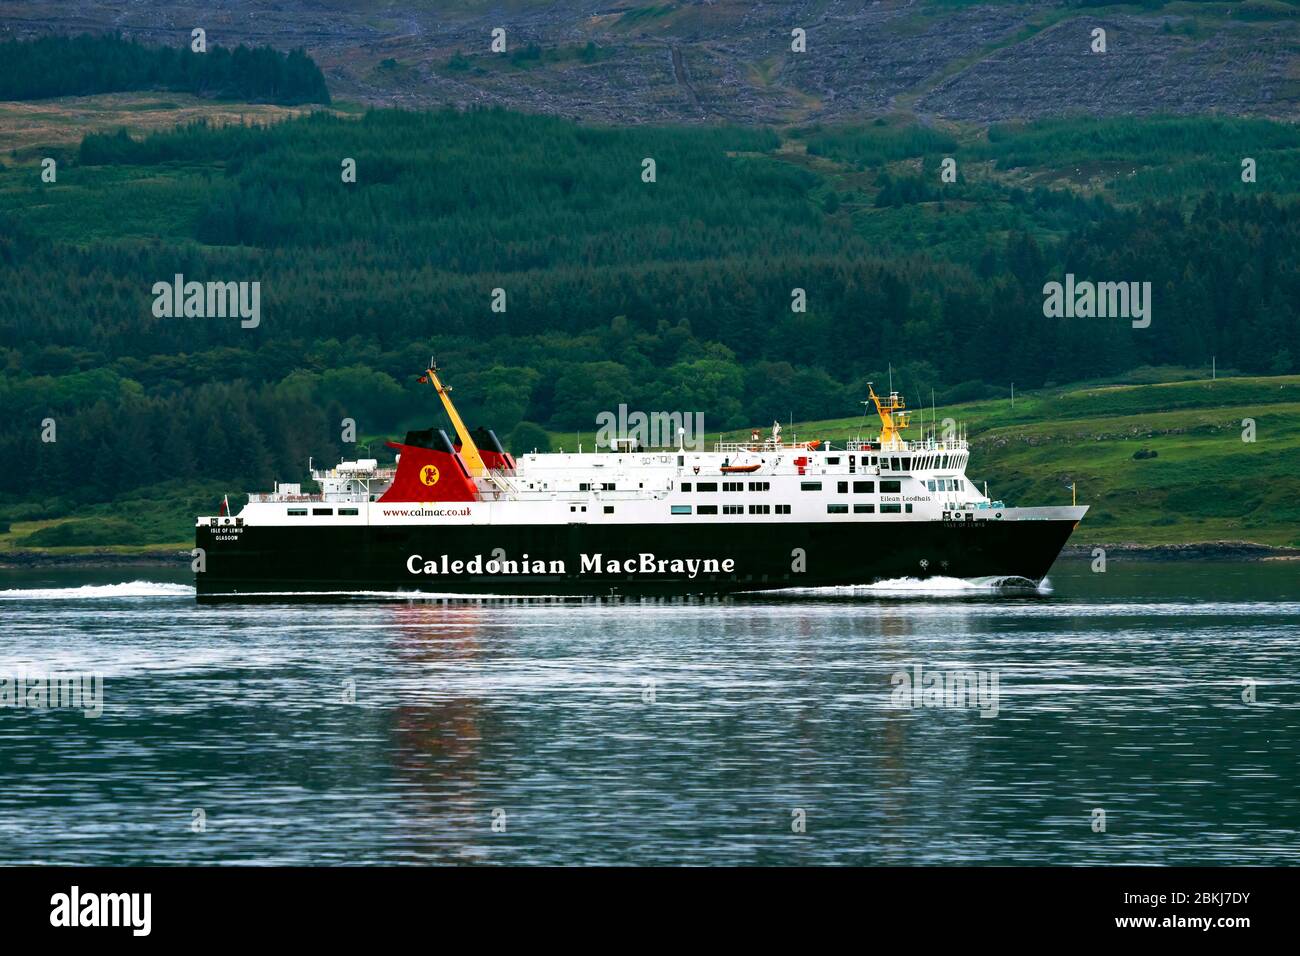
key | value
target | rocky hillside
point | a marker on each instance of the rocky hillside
(630, 61)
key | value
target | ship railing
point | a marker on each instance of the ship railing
(952, 444)
(757, 446)
(345, 497)
(377, 474)
(501, 486)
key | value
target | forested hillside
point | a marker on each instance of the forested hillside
(86, 64)
(671, 294)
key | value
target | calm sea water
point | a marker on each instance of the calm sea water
(690, 732)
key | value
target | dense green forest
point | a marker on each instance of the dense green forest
(84, 65)
(672, 294)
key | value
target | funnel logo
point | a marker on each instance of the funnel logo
(429, 475)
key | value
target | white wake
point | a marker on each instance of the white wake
(937, 586)
(91, 591)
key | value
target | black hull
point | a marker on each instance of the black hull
(251, 561)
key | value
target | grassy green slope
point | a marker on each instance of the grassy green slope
(1205, 483)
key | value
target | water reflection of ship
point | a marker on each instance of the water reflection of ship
(940, 747)
(436, 730)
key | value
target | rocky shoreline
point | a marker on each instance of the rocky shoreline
(94, 559)
(1194, 551)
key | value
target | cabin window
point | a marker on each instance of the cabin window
(584, 486)
(297, 512)
(686, 486)
(864, 487)
(681, 460)
(783, 509)
(322, 511)
(891, 487)
(609, 509)
(608, 486)
(681, 509)
(842, 487)
(706, 486)
(907, 508)
(810, 486)
(348, 512)
(733, 486)
(864, 509)
(837, 509)
(833, 461)
(891, 509)
(760, 509)
(733, 509)
(706, 510)
(759, 486)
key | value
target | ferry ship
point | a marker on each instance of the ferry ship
(463, 516)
